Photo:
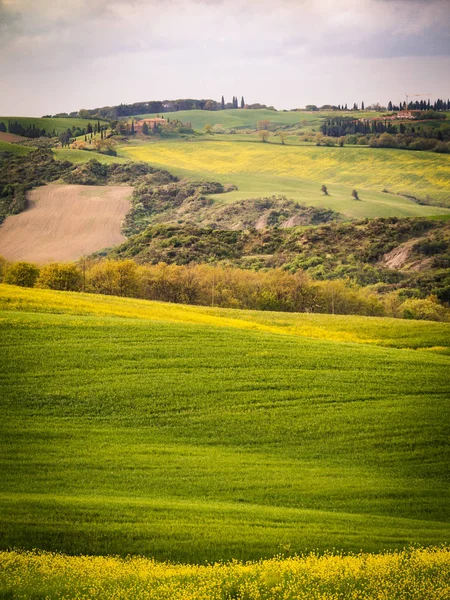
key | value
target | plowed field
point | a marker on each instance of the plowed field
(64, 222)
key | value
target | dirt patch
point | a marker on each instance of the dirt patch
(11, 137)
(65, 222)
(399, 256)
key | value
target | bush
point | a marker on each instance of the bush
(21, 273)
(3, 267)
(427, 310)
(60, 277)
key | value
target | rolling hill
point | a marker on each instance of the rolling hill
(14, 148)
(200, 434)
(248, 118)
(64, 222)
(261, 170)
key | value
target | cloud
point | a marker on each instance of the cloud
(149, 46)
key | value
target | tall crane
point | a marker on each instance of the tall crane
(415, 96)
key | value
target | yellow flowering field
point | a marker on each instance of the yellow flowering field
(412, 574)
(380, 331)
(299, 171)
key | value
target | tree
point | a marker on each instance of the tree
(21, 273)
(282, 135)
(145, 128)
(242, 102)
(390, 106)
(263, 135)
(132, 127)
(222, 103)
(208, 128)
(362, 105)
(355, 195)
(56, 276)
(118, 278)
(262, 125)
(64, 138)
(2, 127)
(324, 189)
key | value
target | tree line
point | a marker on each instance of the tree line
(164, 106)
(338, 127)
(32, 131)
(205, 285)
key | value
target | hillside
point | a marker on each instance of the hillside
(13, 149)
(135, 430)
(65, 222)
(411, 256)
(248, 118)
(298, 172)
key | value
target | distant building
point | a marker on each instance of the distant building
(406, 114)
(151, 124)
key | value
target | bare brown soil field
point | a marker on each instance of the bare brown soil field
(11, 137)
(65, 222)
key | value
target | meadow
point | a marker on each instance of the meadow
(248, 118)
(82, 156)
(194, 434)
(414, 574)
(261, 170)
(14, 148)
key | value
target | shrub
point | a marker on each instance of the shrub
(21, 273)
(427, 310)
(57, 276)
(3, 267)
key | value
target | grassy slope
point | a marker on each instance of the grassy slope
(14, 148)
(184, 434)
(82, 156)
(57, 124)
(248, 118)
(265, 169)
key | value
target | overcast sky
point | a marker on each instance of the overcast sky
(63, 55)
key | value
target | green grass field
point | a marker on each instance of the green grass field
(197, 434)
(82, 156)
(248, 118)
(14, 148)
(299, 171)
(59, 124)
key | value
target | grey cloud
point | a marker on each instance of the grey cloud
(193, 45)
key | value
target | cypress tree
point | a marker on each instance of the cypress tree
(390, 106)
(222, 104)
(242, 102)
(362, 105)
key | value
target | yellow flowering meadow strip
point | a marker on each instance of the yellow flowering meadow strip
(382, 331)
(413, 574)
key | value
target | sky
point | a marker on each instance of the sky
(64, 55)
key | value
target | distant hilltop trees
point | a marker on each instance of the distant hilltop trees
(164, 106)
(110, 113)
